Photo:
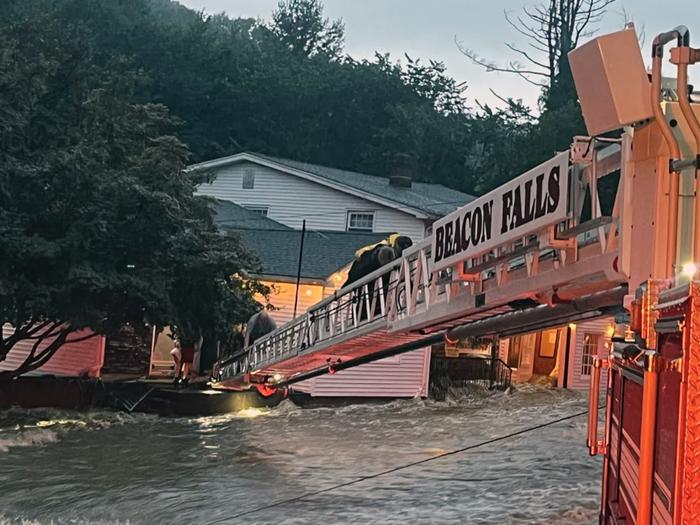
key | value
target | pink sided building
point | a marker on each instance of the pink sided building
(83, 358)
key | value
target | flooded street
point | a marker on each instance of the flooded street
(102, 467)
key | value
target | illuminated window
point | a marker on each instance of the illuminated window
(548, 343)
(360, 221)
(590, 350)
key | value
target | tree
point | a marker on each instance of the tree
(552, 29)
(99, 224)
(235, 85)
(299, 25)
(501, 148)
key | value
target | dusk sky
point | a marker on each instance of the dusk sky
(428, 29)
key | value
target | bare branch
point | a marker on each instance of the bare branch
(513, 67)
(526, 55)
(552, 29)
(499, 97)
(83, 338)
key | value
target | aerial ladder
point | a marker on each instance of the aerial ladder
(544, 250)
(536, 252)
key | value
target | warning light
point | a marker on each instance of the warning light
(689, 270)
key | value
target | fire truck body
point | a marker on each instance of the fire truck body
(651, 436)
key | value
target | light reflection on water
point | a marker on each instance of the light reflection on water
(112, 468)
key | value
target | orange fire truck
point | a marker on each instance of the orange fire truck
(651, 437)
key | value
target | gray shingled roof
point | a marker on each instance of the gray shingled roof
(324, 252)
(232, 216)
(277, 245)
(434, 199)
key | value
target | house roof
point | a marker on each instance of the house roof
(277, 245)
(428, 200)
(324, 252)
(230, 215)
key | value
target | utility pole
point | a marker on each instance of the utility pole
(301, 254)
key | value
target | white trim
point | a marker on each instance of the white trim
(240, 157)
(262, 209)
(359, 212)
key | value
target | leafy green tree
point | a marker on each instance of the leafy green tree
(237, 85)
(99, 225)
(501, 147)
(300, 26)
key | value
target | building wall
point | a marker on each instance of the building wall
(576, 378)
(399, 376)
(282, 298)
(74, 359)
(291, 199)
(404, 375)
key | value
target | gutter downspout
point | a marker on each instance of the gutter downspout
(681, 34)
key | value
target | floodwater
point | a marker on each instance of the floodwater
(103, 467)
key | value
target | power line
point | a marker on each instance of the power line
(396, 469)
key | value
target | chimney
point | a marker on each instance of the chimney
(401, 175)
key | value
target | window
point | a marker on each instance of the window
(360, 221)
(590, 350)
(262, 210)
(248, 179)
(548, 343)
(522, 349)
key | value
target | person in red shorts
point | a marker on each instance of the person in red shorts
(183, 355)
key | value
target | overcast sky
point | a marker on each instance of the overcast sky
(428, 29)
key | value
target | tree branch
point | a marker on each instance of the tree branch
(83, 338)
(490, 66)
(525, 54)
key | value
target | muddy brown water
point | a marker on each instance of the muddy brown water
(112, 468)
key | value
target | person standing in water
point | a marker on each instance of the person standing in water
(183, 355)
(176, 354)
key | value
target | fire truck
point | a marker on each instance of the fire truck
(650, 438)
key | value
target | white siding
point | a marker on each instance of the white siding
(405, 375)
(291, 199)
(399, 376)
(576, 379)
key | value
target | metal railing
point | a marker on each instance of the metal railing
(454, 372)
(364, 305)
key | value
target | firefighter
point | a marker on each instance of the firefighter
(258, 325)
(371, 258)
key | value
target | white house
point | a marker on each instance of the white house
(329, 200)
(289, 192)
